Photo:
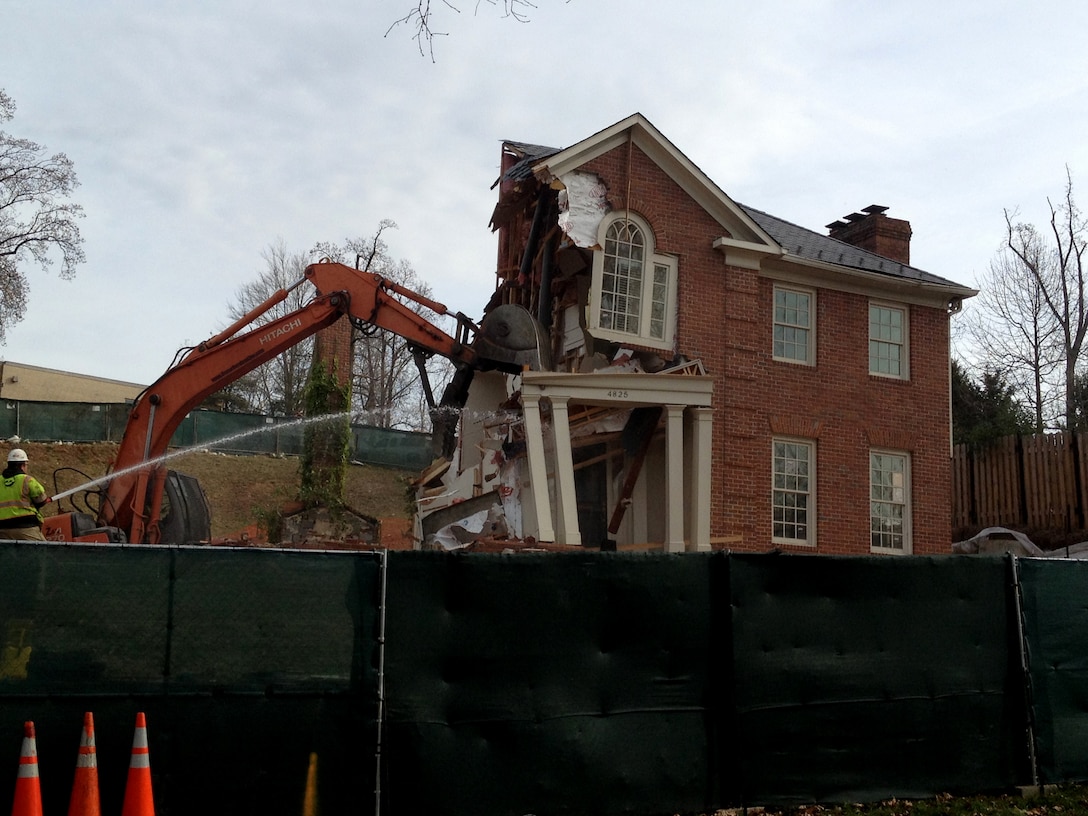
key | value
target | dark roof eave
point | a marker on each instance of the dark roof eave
(931, 283)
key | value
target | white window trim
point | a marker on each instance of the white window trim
(643, 338)
(908, 512)
(810, 360)
(810, 541)
(904, 368)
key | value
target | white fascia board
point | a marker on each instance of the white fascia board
(573, 157)
(621, 389)
(746, 254)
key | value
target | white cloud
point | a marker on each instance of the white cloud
(203, 132)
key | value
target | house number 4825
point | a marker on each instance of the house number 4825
(617, 394)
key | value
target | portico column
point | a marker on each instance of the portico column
(564, 475)
(699, 493)
(538, 467)
(674, 458)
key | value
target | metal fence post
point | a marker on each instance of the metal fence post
(1025, 667)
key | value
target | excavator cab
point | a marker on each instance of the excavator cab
(81, 527)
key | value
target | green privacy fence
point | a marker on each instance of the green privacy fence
(664, 684)
(245, 663)
(871, 678)
(1056, 622)
(216, 430)
(541, 683)
(63, 421)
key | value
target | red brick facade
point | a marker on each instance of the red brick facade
(725, 320)
(332, 346)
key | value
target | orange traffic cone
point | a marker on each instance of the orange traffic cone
(85, 787)
(309, 800)
(28, 791)
(138, 801)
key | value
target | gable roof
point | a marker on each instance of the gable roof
(550, 163)
(751, 226)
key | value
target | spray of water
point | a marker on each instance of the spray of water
(202, 446)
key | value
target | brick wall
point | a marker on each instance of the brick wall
(725, 320)
(332, 345)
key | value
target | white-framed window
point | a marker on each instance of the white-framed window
(888, 333)
(794, 323)
(889, 502)
(633, 297)
(793, 491)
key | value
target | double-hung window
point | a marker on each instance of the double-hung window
(633, 297)
(793, 325)
(793, 494)
(889, 502)
(888, 332)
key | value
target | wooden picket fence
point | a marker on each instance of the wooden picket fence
(1026, 482)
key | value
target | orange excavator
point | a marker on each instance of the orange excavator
(145, 502)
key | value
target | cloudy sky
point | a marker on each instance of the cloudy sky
(204, 131)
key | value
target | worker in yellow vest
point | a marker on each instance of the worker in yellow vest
(21, 499)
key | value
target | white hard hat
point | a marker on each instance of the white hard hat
(17, 455)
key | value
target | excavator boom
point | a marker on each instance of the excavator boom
(134, 496)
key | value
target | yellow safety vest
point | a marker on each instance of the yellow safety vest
(16, 497)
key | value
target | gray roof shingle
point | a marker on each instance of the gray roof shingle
(813, 246)
(529, 155)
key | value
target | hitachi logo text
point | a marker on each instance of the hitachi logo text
(282, 330)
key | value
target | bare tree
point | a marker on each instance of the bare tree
(1014, 330)
(278, 386)
(387, 387)
(37, 222)
(1056, 274)
(420, 17)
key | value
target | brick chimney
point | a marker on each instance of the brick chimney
(332, 346)
(873, 231)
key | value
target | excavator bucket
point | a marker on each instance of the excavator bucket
(511, 339)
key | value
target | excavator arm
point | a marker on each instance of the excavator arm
(133, 498)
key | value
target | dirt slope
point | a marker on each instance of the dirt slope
(238, 487)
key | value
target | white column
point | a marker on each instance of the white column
(538, 467)
(699, 490)
(564, 475)
(674, 459)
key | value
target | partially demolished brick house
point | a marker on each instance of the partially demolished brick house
(718, 377)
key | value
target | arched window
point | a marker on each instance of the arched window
(634, 289)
